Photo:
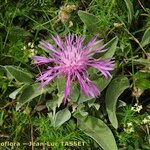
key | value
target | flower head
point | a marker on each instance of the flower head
(71, 58)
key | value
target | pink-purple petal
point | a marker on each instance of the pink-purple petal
(67, 88)
(42, 60)
(47, 46)
(87, 86)
(104, 66)
(59, 42)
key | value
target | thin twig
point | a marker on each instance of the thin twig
(141, 5)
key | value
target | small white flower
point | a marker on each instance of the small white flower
(24, 48)
(32, 45)
(136, 104)
(137, 108)
(29, 44)
(129, 124)
(148, 117)
(32, 50)
(145, 121)
(128, 128)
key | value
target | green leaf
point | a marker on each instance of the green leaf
(142, 61)
(141, 75)
(114, 90)
(102, 83)
(19, 74)
(111, 45)
(29, 93)
(96, 45)
(90, 21)
(16, 33)
(61, 83)
(143, 84)
(55, 102)
(98, 130)
(61, 117)
(142, 80)
(75, 92)
(1, 72)
(1, 117)
(16, 92)
(81, 109)
(146, 38)
(83, 98)
(130, 10)
(92, 103)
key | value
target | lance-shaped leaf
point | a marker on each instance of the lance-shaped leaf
(17, 91)
(1, 117)
(130, 10)
(61, 117)
(90, 21)
(98, 130)
(114, 90)
(18, 74)
(31, 92)
(111, 45)
(146, 38)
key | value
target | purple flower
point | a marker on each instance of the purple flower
(71, 58)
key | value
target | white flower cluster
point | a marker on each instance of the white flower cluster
(146, 120)
(31, 49)
(129, 127)
(137, 107)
